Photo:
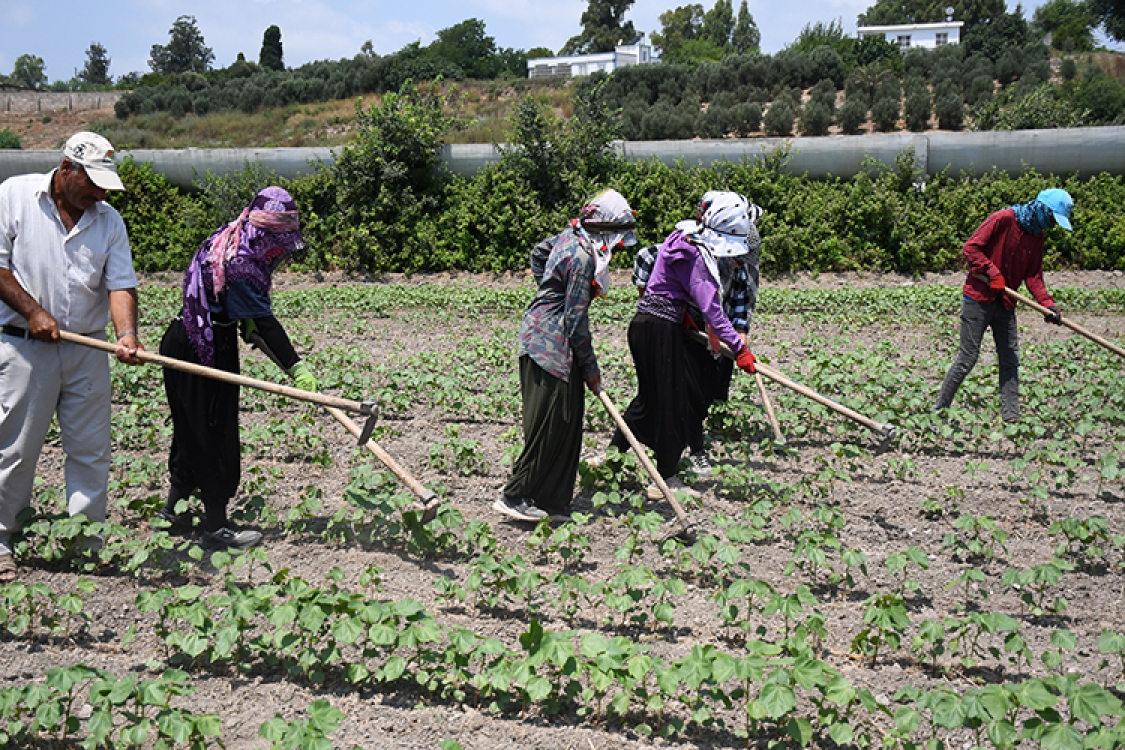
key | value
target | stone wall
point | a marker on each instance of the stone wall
(55, 101)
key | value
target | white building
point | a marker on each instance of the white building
(639, 52)
(927, 35)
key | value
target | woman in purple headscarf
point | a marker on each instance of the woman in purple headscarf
(227, 283)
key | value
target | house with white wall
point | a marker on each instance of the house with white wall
(909, 35)
(638, 52)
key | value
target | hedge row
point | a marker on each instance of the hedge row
(386, 205)
(876, 221)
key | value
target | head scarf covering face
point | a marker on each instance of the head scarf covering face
(1034, 216)
(609, 221)
(248, 249)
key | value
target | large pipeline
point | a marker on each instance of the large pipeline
(1082, 151)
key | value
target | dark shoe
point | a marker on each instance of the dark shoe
(228, 538)
(518, 508)
(173, 523)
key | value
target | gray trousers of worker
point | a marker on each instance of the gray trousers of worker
(38, 380)
(976, 318)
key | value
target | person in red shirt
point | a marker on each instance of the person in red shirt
(1007, 249)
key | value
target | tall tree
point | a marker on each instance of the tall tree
(468, 46)
(971, 12)
(718, 23)
(184, 52)
(603, 28)
(271, 57)
(29, 71)
(96, 70)
(1069, 22)
(746, 37)
(678, 26)
(1111, 14)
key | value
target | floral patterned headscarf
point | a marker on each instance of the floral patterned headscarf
(248, 249)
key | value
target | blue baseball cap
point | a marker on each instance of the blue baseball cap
(1060, 203)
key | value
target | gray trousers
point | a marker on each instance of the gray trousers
(976, 317)
(38, 381)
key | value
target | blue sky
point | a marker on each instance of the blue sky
(60, 31)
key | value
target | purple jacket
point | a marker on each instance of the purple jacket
(681, 274)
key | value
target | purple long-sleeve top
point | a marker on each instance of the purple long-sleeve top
(681, 274)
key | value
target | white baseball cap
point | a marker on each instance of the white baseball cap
(95, 154)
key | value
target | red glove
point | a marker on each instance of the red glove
(997, 283)
(745, 360)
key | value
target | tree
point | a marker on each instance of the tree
(184, 52)
(603, 28)
(1111, 14)
(971, 12)
(1070, 24)
(272, 56)
(718, 23)
(29, 71)
(469, 47)
(678, 27)
(1005, 32)
(746, 37)
(96, 70)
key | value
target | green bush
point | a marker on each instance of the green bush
(779, 118)
(165, 226)
(853, 114)
(884, 113)
(8, 139)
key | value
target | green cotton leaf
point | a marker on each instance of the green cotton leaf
(1064, 639)
(538, 688)
(841, 733)
(995, 700)
(100, 725)
(778, 700)
(1091, 702)
(1002, 734)
(283, 614)
(907, 720)
(722, 668)
(324, 716)
(809, 673)
(1110, 642)
(800, 729)
(209, 725)
(1061, 736)
(947, 710)
(382, 635)
(394, 668)
(1034, 694)
(347, 630)
(173, 724)
(593, 644)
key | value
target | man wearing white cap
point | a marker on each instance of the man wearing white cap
(1007, 249)
(65, 264)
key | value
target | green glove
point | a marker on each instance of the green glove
(249, 328)
(302, 378)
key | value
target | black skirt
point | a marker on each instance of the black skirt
(673, 390)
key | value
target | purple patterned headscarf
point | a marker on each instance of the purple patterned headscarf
(250, 249)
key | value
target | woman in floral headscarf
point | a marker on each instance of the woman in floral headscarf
(227, 282)
(556, 355)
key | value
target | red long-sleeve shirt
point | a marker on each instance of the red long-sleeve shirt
(1000, 246)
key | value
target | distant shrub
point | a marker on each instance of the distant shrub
(165, 226)
(852, 115)
(778, 120)
(816, 118)
(8, 139)
(916, 109)
(950, 112)
(884, 113)
(747, 118)
(1068, 69)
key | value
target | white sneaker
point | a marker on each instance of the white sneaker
(597, 461)
(518, 508)
(699, 464)
(653, 490)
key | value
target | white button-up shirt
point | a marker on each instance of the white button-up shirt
(70, 274)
